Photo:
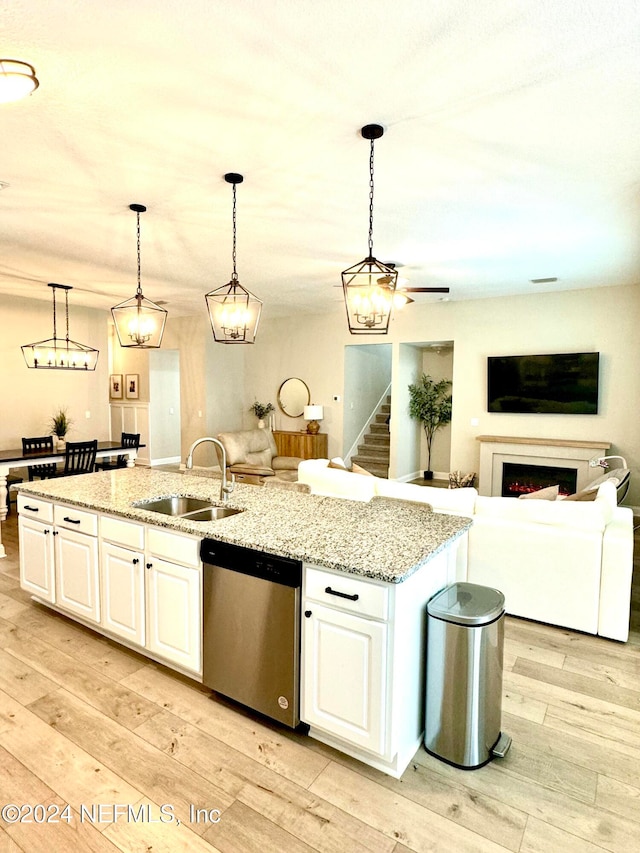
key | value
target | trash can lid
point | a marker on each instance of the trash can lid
(467, 604)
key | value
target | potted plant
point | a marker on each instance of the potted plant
(261, 410)
(430, 403)
(59, 426)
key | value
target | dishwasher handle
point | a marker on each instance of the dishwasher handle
(353, 597)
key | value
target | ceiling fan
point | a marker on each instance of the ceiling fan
(400, 296)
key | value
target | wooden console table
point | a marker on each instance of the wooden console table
(301, 444)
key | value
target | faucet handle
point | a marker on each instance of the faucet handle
(231, 484)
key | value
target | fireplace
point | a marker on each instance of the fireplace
(521, 479)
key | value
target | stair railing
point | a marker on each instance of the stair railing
(353, 450)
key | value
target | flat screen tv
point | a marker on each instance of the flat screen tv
(561, 384)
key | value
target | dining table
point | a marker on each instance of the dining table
(16, 458)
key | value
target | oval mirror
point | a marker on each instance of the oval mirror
(293, 396)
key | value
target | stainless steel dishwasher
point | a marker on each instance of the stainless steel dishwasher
(251, 628)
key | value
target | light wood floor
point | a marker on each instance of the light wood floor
(84, 722)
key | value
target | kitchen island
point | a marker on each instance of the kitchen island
(135, 576)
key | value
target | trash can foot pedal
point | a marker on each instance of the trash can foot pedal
(502, 746)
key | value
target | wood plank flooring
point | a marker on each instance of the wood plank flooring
(84, 722)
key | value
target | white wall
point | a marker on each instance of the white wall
(404, 461)
(31, 397)
(164, 406)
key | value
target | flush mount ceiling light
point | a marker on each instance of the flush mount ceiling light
(369, 285)
(139, 321)
(234, 312)
(60, 353)
(17, 80)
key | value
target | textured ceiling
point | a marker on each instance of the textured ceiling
(511, 152)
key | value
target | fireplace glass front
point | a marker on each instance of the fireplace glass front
(519, 479)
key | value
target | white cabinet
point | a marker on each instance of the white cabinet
(174, 598)
(77, 581)
(35, 536)
(122, 592)
(345, 666)
(173, 613)
(363, 661)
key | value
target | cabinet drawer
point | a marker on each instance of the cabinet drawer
(175, 547)
(35, 508)
(122, 532)
(366, 598)
(73, 518)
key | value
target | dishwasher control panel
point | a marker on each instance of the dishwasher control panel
(248, 561)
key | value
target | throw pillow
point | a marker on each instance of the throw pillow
(582, 495)
(337, 462)
(548, 494)
(356, 469)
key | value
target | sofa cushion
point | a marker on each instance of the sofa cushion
(592, 516)
(358, 469)
(285, 463)
(550, 493)
(457, 501)
(583, 495)
(257, 470)
(334, 482)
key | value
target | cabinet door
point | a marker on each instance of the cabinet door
(77, 582)
(36, 558)
(344, 675)
(174, 613)
(122, 592)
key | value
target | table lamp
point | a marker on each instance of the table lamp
(313, 414)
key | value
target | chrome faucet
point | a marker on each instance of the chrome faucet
(226, 487)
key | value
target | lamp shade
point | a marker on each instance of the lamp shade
(313, 413)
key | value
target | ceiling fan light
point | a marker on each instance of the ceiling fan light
(17, 80)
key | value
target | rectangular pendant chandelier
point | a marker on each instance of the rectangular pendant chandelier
(60, 353)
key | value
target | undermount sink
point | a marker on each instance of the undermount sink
(178, 505)
(182, 506)
(211, 513)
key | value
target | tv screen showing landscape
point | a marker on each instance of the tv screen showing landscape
(561, 384)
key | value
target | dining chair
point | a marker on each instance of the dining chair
(39, 444)
(80, 458)
(128, 439)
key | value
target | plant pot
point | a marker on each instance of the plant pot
(260, 424)
(428, 475)
(61, 444)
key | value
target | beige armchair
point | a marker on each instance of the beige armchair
(253, 453)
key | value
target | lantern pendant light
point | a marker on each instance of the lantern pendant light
(234, 312)
(139, 321)
(369, 286)
(60, 353)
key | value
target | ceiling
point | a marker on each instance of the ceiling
(511, 151)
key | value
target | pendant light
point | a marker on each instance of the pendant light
(17, 80)
(234, 312)
(60, 353)
(369, 286)
(139, 321)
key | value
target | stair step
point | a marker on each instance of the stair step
(373, 452)
(371, 467)
(385, 408)
(379, 429)
(377, 438)
(381, 419)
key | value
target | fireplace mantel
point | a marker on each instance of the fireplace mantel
(558, 452)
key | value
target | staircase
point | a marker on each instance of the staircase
(373, 455)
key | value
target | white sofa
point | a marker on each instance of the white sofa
(568, 563)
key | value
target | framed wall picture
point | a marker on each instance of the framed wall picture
(131, 385)
(115, 386)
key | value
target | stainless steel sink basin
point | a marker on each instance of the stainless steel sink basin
(211, 513)
(173, 505)
(182, 506)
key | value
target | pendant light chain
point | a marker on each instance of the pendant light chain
(235, 274)
(371, 201)
(138, 248)
(66, 302)
(55, 332)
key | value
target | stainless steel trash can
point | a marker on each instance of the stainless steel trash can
(463, 708)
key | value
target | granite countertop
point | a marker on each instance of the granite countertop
(385, 539)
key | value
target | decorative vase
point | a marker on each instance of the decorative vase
(61, 444)
(260, 423)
